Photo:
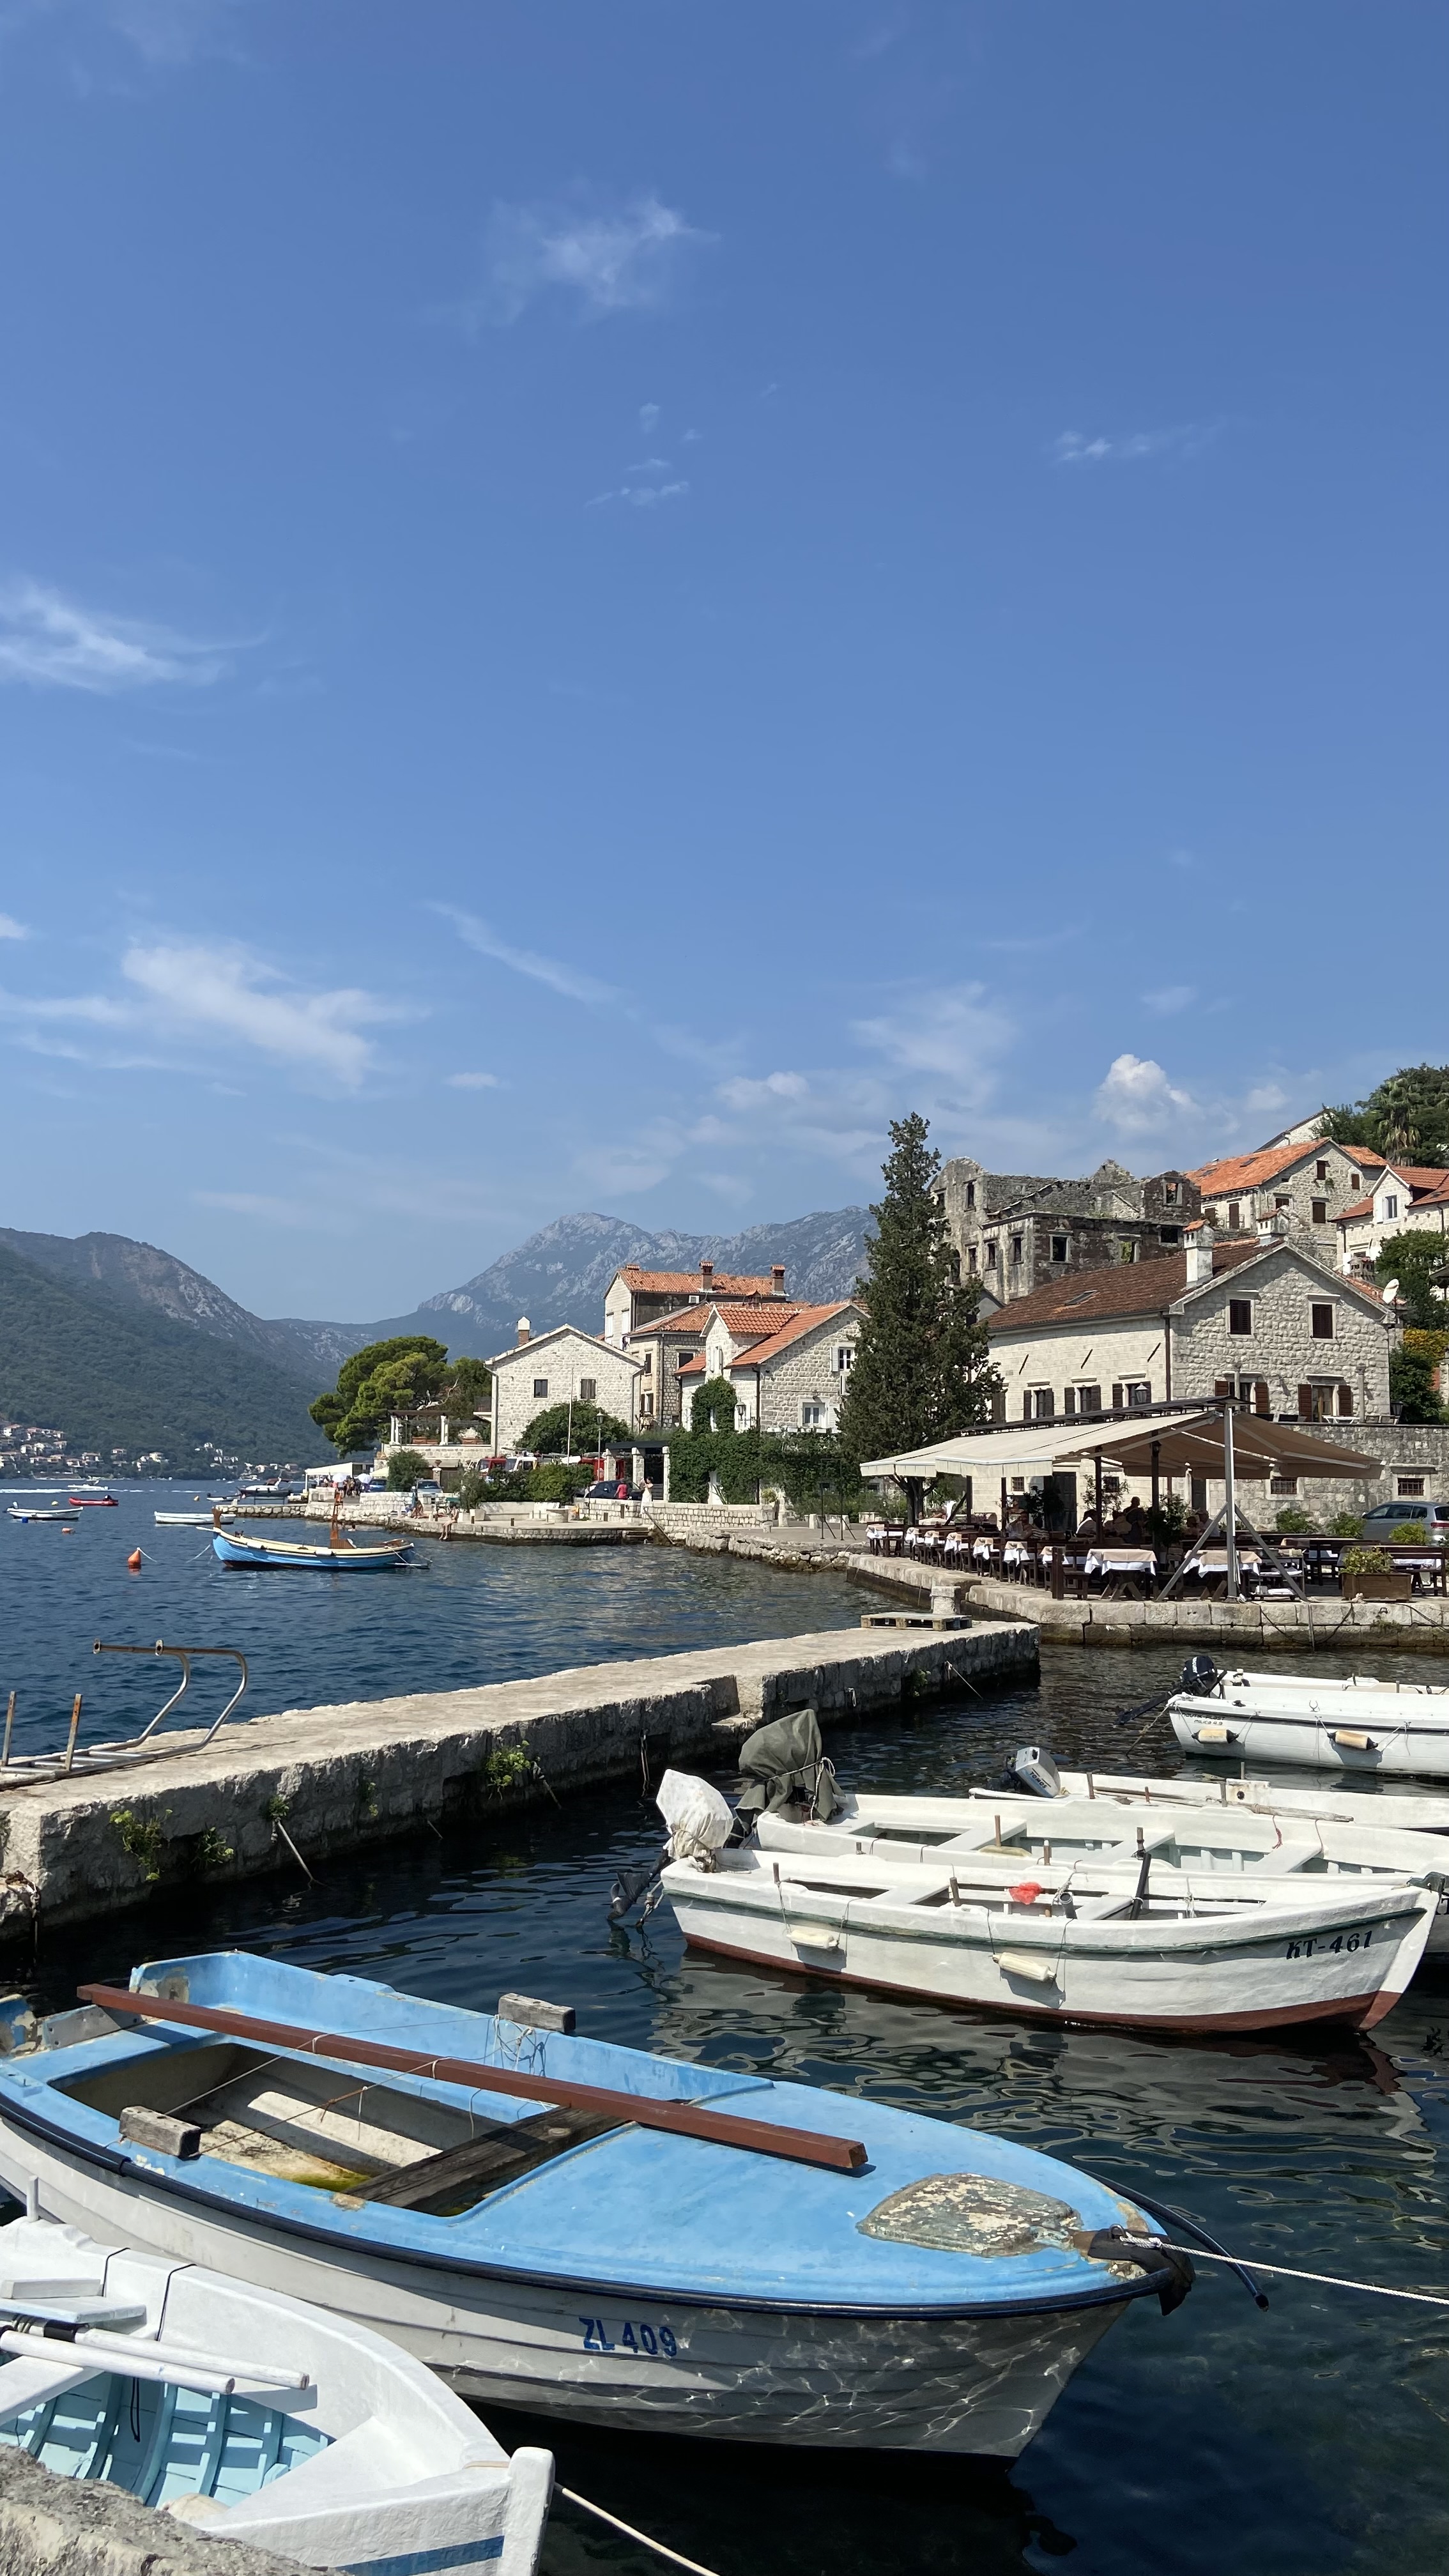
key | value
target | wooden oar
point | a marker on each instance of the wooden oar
(644, 2110)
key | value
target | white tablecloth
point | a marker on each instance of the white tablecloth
(1121, 1560)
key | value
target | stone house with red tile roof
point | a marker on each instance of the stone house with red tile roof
(634, 1296)
(1260, 1317)
(672, 1348)
(1404, 1198)
(1310, 1182)
(790, 1379)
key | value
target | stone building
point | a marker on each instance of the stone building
(1016, 1233)
(562, 1367)
(634, 1296)
(1259, 1318)
(790, 1379)
(1310, 1181)
(1403, 1198)
(672, 1344)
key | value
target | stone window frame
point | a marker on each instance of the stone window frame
(1240, 1306)
(588, 1390)
(1317, 1330)
(812, 1415)
(1408, 1488)
(843, 1358)
(1065, 1244)
(540, 1389)
(1282, 1484)
(1318, 1210)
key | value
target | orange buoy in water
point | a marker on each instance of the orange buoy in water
(134, 1560)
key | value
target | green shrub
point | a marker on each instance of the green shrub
(1365, 1560)
(1294, 1522)
(405, 1468)
(1409, 1534)
(556, 1483)
(472, 1489)
(1346, 1525)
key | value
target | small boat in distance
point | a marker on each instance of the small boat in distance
(184, 1520)
(94, 1498)
(249, 2415)
(41, 1512)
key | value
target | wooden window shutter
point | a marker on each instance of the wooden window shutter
(1345, 1398)
(1262, 1402)
(1305, 1403)
(1224, 1386)
(1116, 1399)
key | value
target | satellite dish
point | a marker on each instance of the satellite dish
(1391, 1290)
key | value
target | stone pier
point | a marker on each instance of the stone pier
(278, 1793)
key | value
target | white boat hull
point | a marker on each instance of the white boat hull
(1395, 1729)
(967, 2383)
(1344, 1960)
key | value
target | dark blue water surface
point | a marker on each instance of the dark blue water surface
(1309, 2441)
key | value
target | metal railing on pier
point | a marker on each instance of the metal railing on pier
(75, 1760)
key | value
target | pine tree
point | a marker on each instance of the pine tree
(922, 1367)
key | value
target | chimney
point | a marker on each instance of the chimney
(1199, 1239)
(777, 1279)
(525, 1331)
(706, 1277)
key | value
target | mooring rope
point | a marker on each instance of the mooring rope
(1284, 2272)
(658, 2546)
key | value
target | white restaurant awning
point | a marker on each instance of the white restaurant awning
(1187, 1443)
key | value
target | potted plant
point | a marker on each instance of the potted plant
(1368, 1575)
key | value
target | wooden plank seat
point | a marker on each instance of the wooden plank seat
(503, 2151)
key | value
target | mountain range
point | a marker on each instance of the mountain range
(116, 1342)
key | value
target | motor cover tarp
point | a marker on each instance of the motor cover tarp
(786, 1760)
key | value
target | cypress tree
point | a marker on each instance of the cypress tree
(922, 1366)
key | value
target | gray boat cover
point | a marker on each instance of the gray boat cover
(783, 1761)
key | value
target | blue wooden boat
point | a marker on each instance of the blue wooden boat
(234, 1547)
(564, 2224)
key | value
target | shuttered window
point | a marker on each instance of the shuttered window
(1240, 1314)
(1322, 1321)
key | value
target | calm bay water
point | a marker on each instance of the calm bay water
(1304, 2442)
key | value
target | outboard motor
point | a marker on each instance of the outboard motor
(1200, 1676)
(1034, 1768)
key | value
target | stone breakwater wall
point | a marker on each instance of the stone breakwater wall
(278, 1792)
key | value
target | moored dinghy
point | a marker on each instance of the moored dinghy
(1357, 1724)
(251, 2415)
(577, 2227)
(1000, 1829)
(1075, 1941)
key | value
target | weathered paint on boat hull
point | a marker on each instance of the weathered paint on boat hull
(968, 2383)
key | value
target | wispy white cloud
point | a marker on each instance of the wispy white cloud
(607, 258)
(192, 995)
(641, 496)
(1137, 1097)
(475, 1082)
(10, 928)
(1186, 440)
(230, 994)
(956, 1036)
(649, 418)
(552, 971)
(1170, 998)
(50, 641)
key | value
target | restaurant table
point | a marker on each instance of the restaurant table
(1122, 1569)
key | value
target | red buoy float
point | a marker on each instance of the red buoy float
(134, 1560)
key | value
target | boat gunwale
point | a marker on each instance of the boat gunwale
(32, 2121)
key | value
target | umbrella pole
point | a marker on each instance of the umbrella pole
(1230, 1501)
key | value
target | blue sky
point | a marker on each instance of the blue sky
(596, 600)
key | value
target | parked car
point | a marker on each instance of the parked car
(1433, 1518)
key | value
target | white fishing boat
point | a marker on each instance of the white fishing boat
(1329, 1724)
(999, 1830)
(251, 2415)
(184, 1520)
(1387, 1809)
(23, 1512)
(1080, 1940)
